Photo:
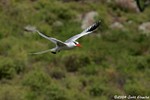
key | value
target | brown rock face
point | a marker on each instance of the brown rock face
(127, 4)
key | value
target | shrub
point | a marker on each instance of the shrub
(30, 95)
(89, 70)
(106, 62)
(134, 89)
(116, 35)
(36, 80)
(96, 91)
(55, 93)
(8, 68)
(11, 92)
(57, 73)
(74, 62)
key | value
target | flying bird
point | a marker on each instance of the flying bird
(68, 44)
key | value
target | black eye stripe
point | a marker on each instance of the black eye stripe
(75, 43)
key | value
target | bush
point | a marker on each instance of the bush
(107, 60)
(57, 73)
(11, 92)
(116, 35)
(96, 91)
(89, 70)
(36, 80)
(55, 93)
(74, 62)
(9, 67)
(135, 89)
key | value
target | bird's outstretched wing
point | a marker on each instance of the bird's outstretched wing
(54, 40)
(89, 30)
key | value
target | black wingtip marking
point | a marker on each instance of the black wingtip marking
(94, 26)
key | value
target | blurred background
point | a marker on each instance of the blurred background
(114, 60)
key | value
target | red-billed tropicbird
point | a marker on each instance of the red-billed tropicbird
(68, 44)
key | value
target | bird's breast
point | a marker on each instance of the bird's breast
(69, 45)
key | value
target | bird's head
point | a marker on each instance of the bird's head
(77, 44)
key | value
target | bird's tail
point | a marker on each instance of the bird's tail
(30, 28)
(45, 51)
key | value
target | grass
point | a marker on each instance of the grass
(110, 62)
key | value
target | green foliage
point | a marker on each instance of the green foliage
(73, 62)
(89, 70)
(5, 70)
(37, 80)
(135, 89)
(111, 61)
(15, 93)
(97, 91)
(57, 73)
(55, 93)
(9, 67)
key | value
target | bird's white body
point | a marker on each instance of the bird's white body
(68, 44)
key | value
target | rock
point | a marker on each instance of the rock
(145, 27)
(116, 25)
(127, 4)
(108, 1)
(88, 19)
(129, 21)
(57, 23)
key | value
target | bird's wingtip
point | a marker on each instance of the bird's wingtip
(98, 23)
(94, 26)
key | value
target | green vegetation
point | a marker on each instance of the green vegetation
(111, 61)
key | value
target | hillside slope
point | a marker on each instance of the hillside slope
(114, 60)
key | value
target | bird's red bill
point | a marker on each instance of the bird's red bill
(78, 45)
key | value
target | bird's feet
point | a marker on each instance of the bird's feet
(53, 52)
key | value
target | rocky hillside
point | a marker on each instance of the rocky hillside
(114, 60)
